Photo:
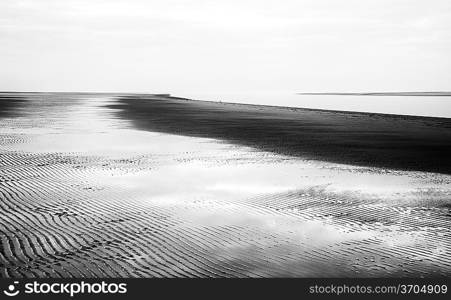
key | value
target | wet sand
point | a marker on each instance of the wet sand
(102, 185)
(376, 140)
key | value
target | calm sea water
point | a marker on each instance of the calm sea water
(400, 105)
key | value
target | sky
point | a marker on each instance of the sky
(234, 46)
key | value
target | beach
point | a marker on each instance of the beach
(130, 185)
(366, 139)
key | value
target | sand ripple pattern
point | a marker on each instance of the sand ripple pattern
(60, 217)
(56, 221)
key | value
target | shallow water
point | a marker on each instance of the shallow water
(428, 106)
(84, 194)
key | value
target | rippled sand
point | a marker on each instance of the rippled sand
(85, 194)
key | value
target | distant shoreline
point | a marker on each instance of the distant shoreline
(416, 94)
(369, 140)
(17, 94)
(300, 108)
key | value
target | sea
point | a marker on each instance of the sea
(429, 106)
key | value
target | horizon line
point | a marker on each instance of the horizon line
(392, 93)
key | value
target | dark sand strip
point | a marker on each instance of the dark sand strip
(364, 139)
(9, 104)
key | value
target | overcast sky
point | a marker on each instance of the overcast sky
(217, 46)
